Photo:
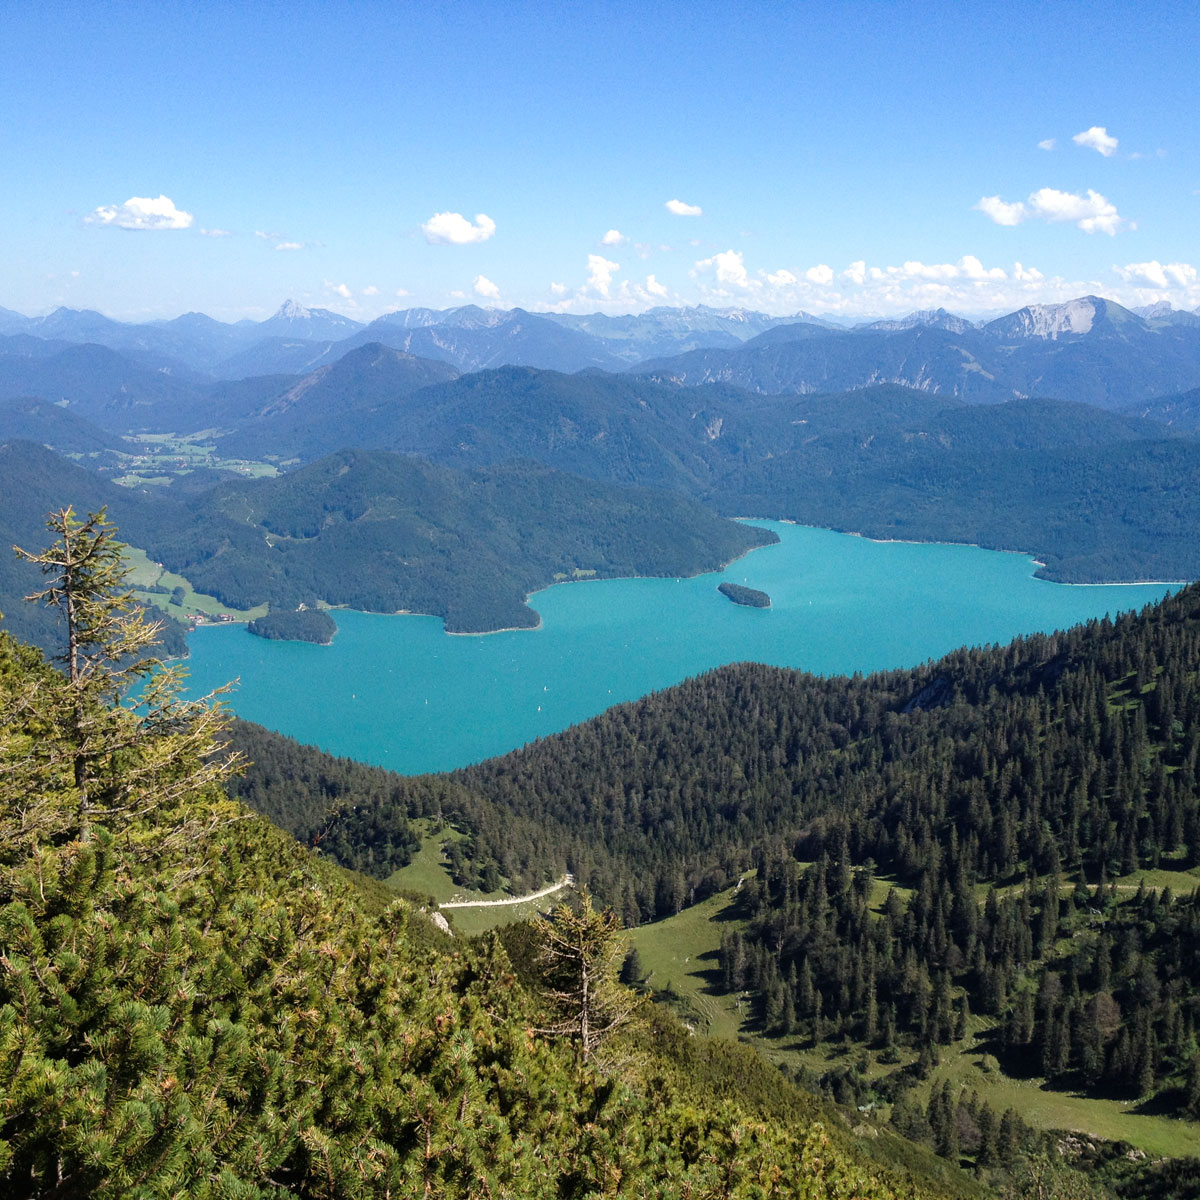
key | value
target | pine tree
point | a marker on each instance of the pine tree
(580, 949)
(123, 756)
(1008, 1138)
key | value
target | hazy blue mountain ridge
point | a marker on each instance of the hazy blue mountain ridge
(346, 400)
(297, 339)
(1180, 412)
(34, 419)
(1090, 350)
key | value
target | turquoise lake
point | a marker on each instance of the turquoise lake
(399, 692)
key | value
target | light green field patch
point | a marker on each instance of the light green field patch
(1180, 882)
(145, 573)
(680, 954)
(1115, 1120)
(473, 921)
(133, 480)
(428, 875)
(158, 458)
(882, 886)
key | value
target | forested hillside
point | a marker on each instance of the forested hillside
(1095, 495)
(33, 482)
(192, 1004)
(374, 531)
(999, 790)
(385, 533)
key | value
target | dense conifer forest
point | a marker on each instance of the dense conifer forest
(993, 798)
(999, 792)
(750, 597)
(375, 531)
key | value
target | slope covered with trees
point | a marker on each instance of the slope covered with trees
(385, 533)
(375, 531)
(191, 1004)
(1001, 790)
(1096, 495)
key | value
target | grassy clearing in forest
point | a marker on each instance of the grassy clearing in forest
(144, 573)
(158, 458)
(679, 955)
(428, 875)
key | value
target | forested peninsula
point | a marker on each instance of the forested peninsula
(304, 625)
(375, 531)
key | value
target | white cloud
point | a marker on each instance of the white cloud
(290, 246)
(614, 237)
(486, 288)
(217, 233)
(856, 272)
(403, 292)
(1160, 275)
(968, 285)
(972, 268)
(371, 291)
(913, 269)
(684, 210)
(600, 273)
(1097, 138)
(1048, 144)
(1002, 212)
(1091, 213)
(453, 229)
(967, 267)
(339, 289)
(601, 292)
(142, 212)
(729, 267)
(270, 237)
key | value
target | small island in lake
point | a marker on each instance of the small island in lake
(304, 625)
(751, 597)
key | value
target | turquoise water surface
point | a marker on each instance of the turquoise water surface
(399, 692)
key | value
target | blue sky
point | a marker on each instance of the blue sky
(853, 159)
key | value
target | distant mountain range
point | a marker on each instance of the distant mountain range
(1088, 349)
(297, 339)
(1086, 455)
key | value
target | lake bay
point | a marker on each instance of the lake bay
(399, 692)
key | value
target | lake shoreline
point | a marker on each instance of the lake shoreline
(854, 533)
(1029, 554)
(405, 696)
